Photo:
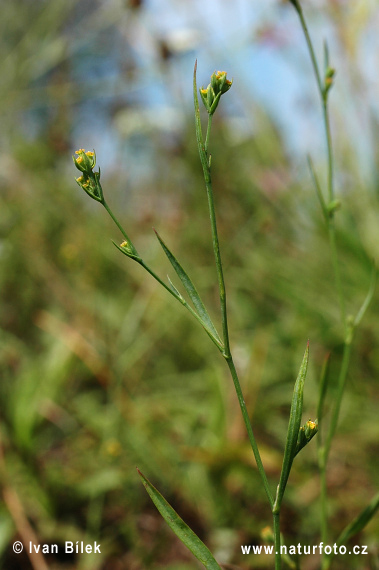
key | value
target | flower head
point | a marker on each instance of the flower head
(85, 161)
(306, 433)
(89, 180)
(218, 86)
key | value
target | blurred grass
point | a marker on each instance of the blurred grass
(101, 373)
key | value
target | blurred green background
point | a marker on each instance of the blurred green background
(100, 370)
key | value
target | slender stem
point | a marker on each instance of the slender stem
(323, 497)
(278, 557)
(320, 450)
(323, 452)
(208, 133)
(216, 245)
(329, 147)
(208, 184)
(204, 158)
(159, 280)
(116, 221)
(332, 239)
(326, 562)
(336, 269)
(340, 390)
(220, 273)
(348, 331)
(330, 184)
(324, 101)
(249, 429)
(310, 47)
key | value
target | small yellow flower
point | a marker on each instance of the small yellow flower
(89, 181)
(85, 162)
(218, 86)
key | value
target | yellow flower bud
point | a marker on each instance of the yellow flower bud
(218, 86)
(85, 161)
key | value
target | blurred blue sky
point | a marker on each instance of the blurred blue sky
(132, 71)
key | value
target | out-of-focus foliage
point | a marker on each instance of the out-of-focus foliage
(100, 371)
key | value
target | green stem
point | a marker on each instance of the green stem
(340, 391)
(325, 114)
(212, 214)
(220, 273)
(203, 153)
(159, 280)
(336, 269)
(249, 429)
(116, 221)
(278, 557)
(326, 562)
(310, 47)
(324, 451)
(208, 184)
(323, 497)
(330, 184)
(208, 133)
(332, 240)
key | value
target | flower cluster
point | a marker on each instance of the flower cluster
(306, 433)
(89, 180)
(218, 86)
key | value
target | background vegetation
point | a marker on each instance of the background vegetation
(100, 371)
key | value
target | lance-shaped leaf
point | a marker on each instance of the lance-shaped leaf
(180, 528)
(368, 298)
(293, 430)
(191, 290)
(360, 521)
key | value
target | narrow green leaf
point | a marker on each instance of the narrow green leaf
(177, 293)
(367, 300)
(360, 521)
(293, 429)
(322, 388)
(191, 290)
(180, 528)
